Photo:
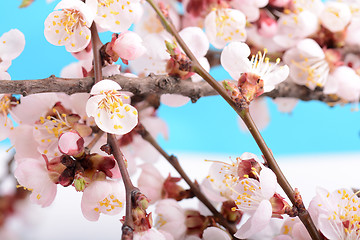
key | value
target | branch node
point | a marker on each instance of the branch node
(127, 233)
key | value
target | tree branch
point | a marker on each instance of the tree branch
(158, 84)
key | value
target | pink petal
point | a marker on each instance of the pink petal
(256, 222)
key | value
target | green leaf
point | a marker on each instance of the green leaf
(26, 3)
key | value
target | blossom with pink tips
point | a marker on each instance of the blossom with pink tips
(69, 25)
(110, 113)
(107, 197)
(127, 46)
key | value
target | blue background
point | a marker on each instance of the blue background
(207, 126)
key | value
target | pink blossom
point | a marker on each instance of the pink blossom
(33, 174)
(170, 218)
(128, 45)
(107, 197)
(151, 182)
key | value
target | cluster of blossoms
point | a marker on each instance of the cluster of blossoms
(55, 145)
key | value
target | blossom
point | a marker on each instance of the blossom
(107, 197)
(170, 218)
(337, 213)
(345, 83)
(110, 113)
(225, 25)
(33, 175)
(234, 58)
(335, 16)
(253, 197)
(151, 182)
(70, 24)
(307, 63)
(250, 7)
(117, 16)
(224, 176)
(293, 228)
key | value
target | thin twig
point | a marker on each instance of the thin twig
(193, 186)
(128, 225)
(243, 112)
(94, 141)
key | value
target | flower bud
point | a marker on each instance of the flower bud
(127, 46)
(71, 143)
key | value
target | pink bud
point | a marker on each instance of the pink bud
(267, 26)
(128, 46)
(279, 3)
(71, 143)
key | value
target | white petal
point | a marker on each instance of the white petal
(104, 85)
(234, 59)
(196, 40)
(268, 182)
(174, 100)
(12, 43)
(214, 233)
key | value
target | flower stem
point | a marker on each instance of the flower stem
(128, 226)
(243, 112)
(193, 185)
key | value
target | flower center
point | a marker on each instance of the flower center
(111, 102)
(347, 214)
(108, 204)
(315, 70)
(71, 20)
(54, 125)
(6, 104)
